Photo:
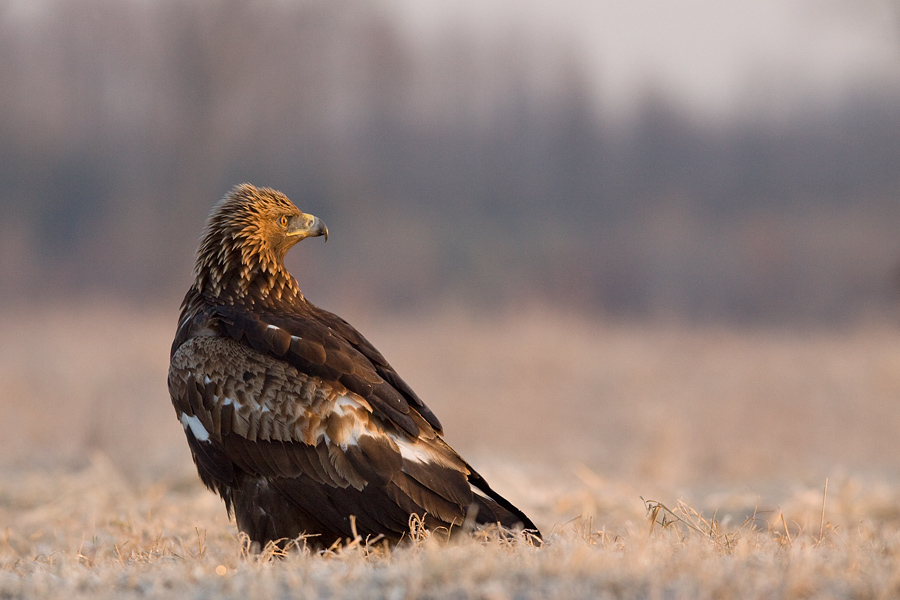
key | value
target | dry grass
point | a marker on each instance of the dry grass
(660, 461)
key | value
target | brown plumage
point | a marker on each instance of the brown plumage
(291, 415)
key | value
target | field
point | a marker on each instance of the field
(661, 460)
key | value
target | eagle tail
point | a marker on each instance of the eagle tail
(494, 508)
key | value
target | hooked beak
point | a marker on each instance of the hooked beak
(311, 226)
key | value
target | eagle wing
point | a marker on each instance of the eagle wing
(299, 402)
(322, 344)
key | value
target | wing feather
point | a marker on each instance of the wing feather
(450, 484)
(307, 350)
(214, 465)
(417, 499)
(374, 458)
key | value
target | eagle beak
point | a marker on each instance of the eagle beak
(313, 227)
(318, 228)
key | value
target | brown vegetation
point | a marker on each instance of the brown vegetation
(661, 460)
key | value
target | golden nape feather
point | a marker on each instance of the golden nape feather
(293, 417)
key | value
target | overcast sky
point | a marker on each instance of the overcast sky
(714, 55)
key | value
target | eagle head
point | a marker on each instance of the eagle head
(246, 238)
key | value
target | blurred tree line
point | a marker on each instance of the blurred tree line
(454, 166)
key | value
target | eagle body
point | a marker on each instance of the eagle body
(293, 417)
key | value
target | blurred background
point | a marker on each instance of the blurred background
(669, 231)
(705, 159)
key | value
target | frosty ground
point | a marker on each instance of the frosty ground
(661, 461)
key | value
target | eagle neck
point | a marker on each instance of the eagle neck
(255, 282)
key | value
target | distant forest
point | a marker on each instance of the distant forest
(455, 169)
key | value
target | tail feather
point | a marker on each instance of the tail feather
(494, 508)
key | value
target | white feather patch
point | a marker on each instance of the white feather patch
(346, 404)
(351, 439)
(196, 426)
(342, 402)
(411, 452)
(341, 407)
(226, 401)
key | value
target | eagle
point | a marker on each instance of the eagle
(291, 415)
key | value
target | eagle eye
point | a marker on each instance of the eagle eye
(283, 220)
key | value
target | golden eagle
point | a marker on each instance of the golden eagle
(293, 417)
